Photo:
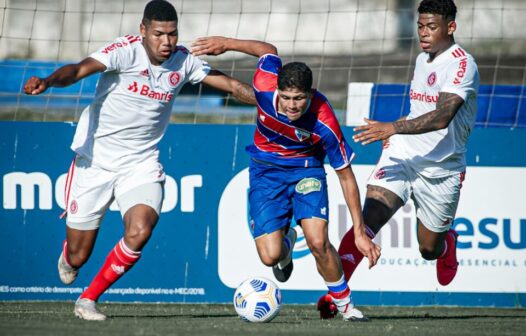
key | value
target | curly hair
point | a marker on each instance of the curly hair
(295, 75)
(446, 8)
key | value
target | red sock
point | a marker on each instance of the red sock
(65, 252)
(119, 261)
(349, 253)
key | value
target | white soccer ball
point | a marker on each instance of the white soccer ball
(257, 300)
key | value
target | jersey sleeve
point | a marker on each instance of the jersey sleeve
(117, 55)
(462, 77)
(198, 69)
(266, 76)
(336, 147)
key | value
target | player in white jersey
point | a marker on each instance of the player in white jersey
(424, 154)
(116, 142)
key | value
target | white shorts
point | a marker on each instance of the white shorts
(436, 199)
(90, 190)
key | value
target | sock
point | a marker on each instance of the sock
(340, 292)
(349, 253)
(119, 261)
(444, 253)
(65, 253)
(287, 245)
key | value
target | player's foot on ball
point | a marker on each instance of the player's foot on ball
(326, 307)
(447, 265)
(283, 269)
(351, 313)
(66, 273)
(87, 310)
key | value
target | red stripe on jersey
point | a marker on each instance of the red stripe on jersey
(132, 39)
(67, 186)
(265, 81)
(458, 53)
(326, 116)
(263, 144)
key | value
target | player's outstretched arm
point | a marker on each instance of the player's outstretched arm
(64, 76)
(241, 91)
(217, 45)
(447, 107)
(352, 197)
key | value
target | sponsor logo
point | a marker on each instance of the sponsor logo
(145, 73)
(308, 185)
(73, 207)
(114, 46)
(380, 174)
(117, 269)
(146, 91)
(174, 78)
(461, 71)
(349, 257)
(423, 97)
(302, 135)
(431, 79)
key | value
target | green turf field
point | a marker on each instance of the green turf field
(56, 318)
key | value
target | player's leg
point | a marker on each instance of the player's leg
(436, 202)
(328, 264)
(139, 194)
(271, 213)
(88, 193)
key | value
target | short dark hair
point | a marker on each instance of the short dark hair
(159, 10)
(446, 8)
(295, 75)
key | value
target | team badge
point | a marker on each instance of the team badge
(302, 135)
(174, 78)
(73, 207)
(380, 174)
(431, 79)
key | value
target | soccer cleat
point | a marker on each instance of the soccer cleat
(85, 309)
(283, 269)
(447, 265)
(326, 307)
(66, 273)
(350, 313)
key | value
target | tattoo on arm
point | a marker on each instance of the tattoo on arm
(447, 106)
(244, 93)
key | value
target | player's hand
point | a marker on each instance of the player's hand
(368, 248)
(35, 86)
(211, 45)
(373, 131)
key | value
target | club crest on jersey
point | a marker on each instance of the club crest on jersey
(308, 185)
(380, 174)
(73, 207)
(431, 79)
(302, 135)
(174, 78)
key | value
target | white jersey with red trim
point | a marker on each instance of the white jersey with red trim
(441, 153)
(132, 104)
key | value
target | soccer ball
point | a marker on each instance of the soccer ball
(257, 300)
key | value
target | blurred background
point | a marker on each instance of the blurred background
(344, 41)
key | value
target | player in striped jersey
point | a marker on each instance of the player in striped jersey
(296, 130)
(116, 142)
(424, 157)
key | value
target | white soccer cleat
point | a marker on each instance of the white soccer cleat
(85, 309)
(351, 313)
(283, 269)
(66, 273)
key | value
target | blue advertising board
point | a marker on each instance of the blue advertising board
(183, 262)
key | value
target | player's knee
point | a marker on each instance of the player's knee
(319, 247)
(428, 252)
(268, 259)
(139, 231)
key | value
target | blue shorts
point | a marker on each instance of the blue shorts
(278, 193)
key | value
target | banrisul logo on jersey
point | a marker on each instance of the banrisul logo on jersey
(491, 243)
